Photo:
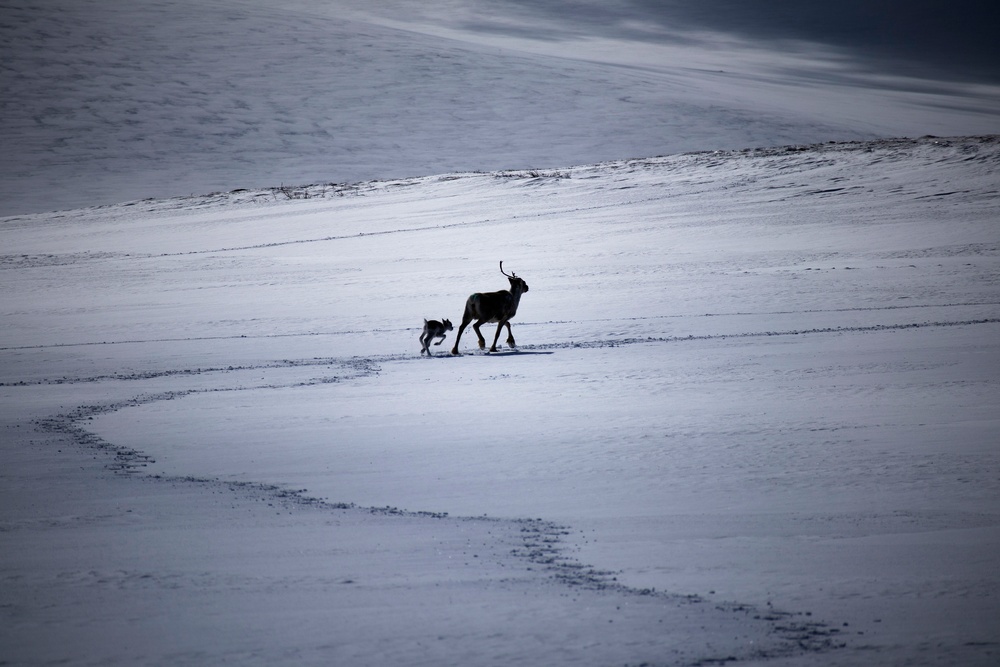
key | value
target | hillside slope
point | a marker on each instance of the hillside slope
(102, 103)
(752, 415)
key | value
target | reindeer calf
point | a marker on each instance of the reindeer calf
(433, 329)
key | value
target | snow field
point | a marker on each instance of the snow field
(103, 103)
(764, 378)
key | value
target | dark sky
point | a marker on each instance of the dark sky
(955, 39)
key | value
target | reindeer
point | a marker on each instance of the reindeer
(496, 307)
(433, 329)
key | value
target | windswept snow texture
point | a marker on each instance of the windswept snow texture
(753, 416)
(103, 102)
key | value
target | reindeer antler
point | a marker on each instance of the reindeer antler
(509, 275)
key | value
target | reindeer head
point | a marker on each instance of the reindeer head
(516, 284)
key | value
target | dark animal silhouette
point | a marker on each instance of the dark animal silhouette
(433, 329)
(497, 307)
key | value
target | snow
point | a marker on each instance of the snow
(105, 102)
(752, 415)
(752, 412)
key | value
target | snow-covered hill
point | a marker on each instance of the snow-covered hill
(752, 415)
(104, 102)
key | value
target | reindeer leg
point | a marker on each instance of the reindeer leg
(493, 348)
(423, 343)
(510, 336)
(443, 336)
(482, 341)
(466, 318)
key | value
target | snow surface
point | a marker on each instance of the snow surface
(103, 102)
(752, 416)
